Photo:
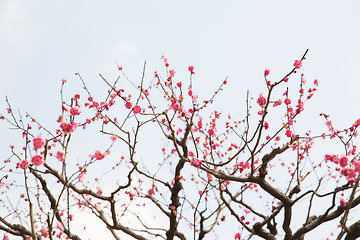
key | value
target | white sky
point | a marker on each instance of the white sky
(42, 42)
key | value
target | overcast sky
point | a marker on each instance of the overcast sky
(42, 42)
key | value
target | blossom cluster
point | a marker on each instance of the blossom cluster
(195, 162)
(349, 169)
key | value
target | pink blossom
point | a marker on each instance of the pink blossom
(287, 101)
(348, 173)
(266, 125)
(73, 126)
(289, 133)
(353, 151)
(151, 191)
(60, 155)
(65, 108)
(60, 226)
(172, 73)
(300, 106)
(211, 132)
(24, 164)
(175, 106)
(329, 124)
(75, 111)
(81, 177)
(68, 128)
(191, 69)
(277, 103)
(267, 71)
(209, 176)
(301, 91)
(291, 112)
(98, 155)
(242, 166)
(96, 104)
(297, 64)
(137, 109)
(103, 105)
(195, 162)
(44, 232)
(332, 158)
(344, 161)
(38, 142)
(351, 174)
(357, 166)
(60, 119)
(261, 100)
(37, 160)
(238, 236)
(128, 105)
(342, 202)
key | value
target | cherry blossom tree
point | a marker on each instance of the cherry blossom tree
(252, 177)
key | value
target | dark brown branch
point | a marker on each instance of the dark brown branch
(261, 233)
(16, 229)
(323, 218)
(354, 231)
(54, 205)
(268, 157)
